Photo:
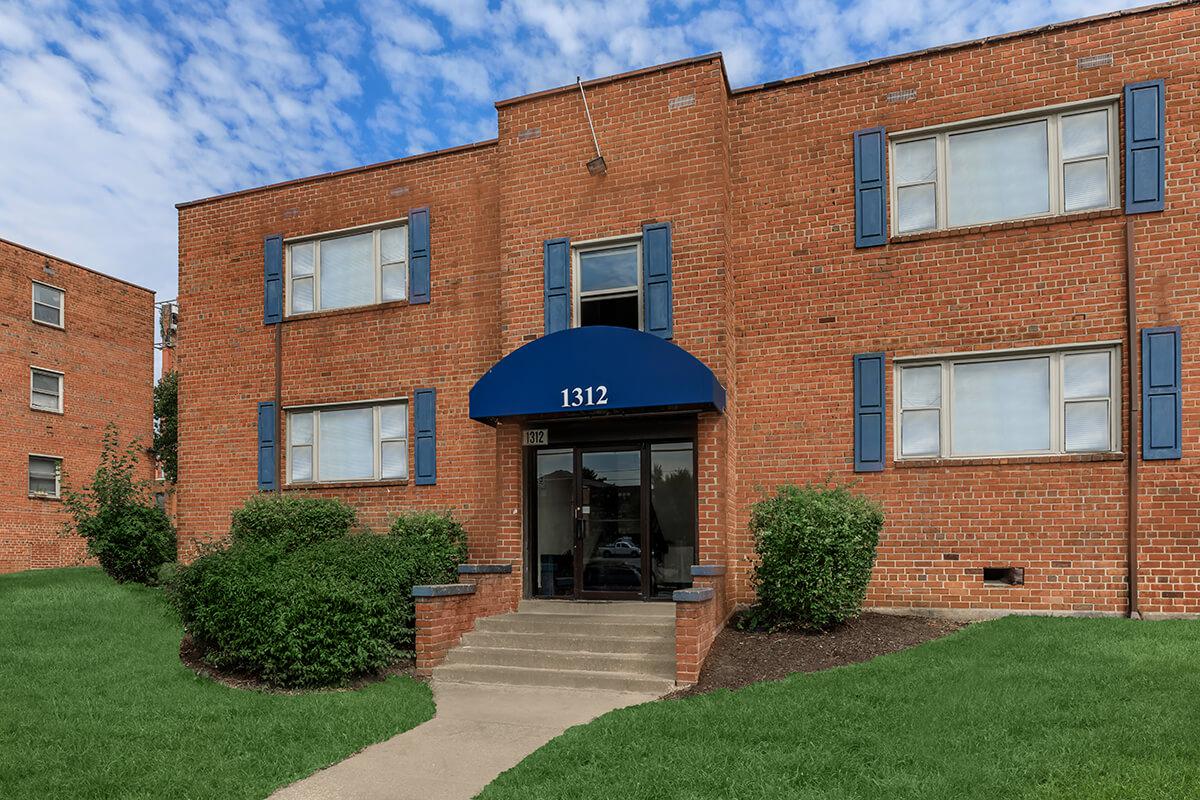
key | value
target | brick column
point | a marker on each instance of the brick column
(700, 614)
(444, 612)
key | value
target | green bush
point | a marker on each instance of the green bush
(307, 603)
(126, 532)
(291, 522)
(816, 547)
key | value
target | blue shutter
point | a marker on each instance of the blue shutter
(656, 278)
(869, 412)
(273, 280)
(1145, 153)
(418, 255)
(425, 422)
(870, 192)
(1162, 394)
(556, 259)
(266, 447)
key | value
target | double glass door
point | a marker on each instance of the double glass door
(614, 522)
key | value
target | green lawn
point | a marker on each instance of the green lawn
(1075, 709)
(95, 704)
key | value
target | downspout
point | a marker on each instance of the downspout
(1134, 409)
(279, 407)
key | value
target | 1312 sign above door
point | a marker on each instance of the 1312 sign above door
(582, 396)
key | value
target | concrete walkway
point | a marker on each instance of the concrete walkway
(479, 731)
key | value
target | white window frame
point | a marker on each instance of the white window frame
(53, 372)
(1053, 116)
(593, 245)
(1058, 403)
(57, 475)
(316, 240)
(377, 456)
(62, 309)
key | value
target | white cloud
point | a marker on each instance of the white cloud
(113, 116)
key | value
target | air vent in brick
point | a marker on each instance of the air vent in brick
(1004, 576)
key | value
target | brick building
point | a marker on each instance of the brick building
(911, 273)
(76, 353)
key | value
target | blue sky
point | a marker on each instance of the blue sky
(112, 112)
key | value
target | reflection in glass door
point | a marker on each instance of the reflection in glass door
(610, 553)
(555, 476)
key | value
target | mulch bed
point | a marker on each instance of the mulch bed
(739, 658)
(193, 659)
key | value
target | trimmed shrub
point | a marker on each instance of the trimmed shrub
(816, 547)
(291, 522)
(298, 601)
(129, 535)
(434, 544)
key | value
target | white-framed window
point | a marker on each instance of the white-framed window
(352, 442)
(1020, 166)
(45, 473)
(49, 304)
(45, 389)
(1031, 402)
(606, 281)
(357, 268)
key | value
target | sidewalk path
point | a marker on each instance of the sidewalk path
(479, 731)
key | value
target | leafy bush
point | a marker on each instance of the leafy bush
(127, 533)
(291, 522)
(816, 547)
(166, 431)
(297, 600)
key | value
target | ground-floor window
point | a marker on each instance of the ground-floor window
(1062, 401)
(44, 474)
(348, 443)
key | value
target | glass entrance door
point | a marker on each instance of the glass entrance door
(614, 522)
(609, 554)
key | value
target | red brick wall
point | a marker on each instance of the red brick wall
(769, 291)
(105, 352)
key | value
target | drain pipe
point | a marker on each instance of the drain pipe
(1134, 409)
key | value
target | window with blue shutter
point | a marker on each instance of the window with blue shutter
(266, 447)
(272, 280)
(870, 191)
(869, 412)
(556, 260)
(1162, 394)
(656, 278)
(418, 255)
(1145, 151)
(425, 422)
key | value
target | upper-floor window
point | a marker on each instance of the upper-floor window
(607, 284)
(44, 472)
(348, 443)
(45, 389)
(1004, 404)
(356, 269)
(48, 302)
(1036, 165)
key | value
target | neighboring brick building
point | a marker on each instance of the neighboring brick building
(76, 352)
(813, 243)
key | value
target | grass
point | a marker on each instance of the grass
(94, 703)
(1020, 707)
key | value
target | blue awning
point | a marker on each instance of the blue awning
(595, 370)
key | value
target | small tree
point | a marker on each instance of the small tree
(166, 432)
(125, 531)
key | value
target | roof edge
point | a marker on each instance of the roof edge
(620, 76)
(61, 260)
(445, 151)
(944, 48)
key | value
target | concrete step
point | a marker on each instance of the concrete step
(564, 678)
(660, 666)
(578, 641)
(599, 607)
(583, 624)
